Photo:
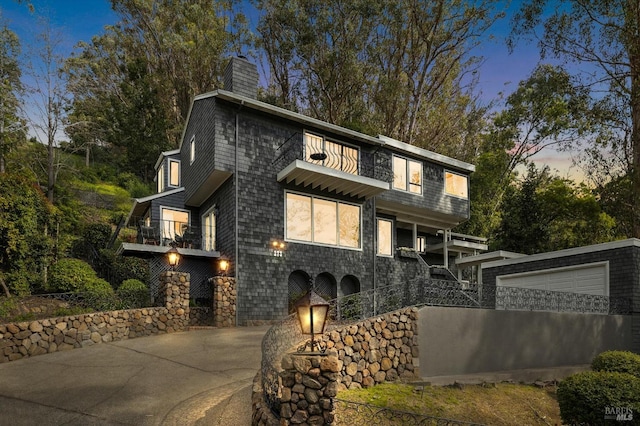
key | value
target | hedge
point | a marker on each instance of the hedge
(617, 361)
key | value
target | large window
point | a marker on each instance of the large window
(174, 222)
(209, 230)
(322, 221)
(385, 237)
(174, 173)
(326, 153)
(456, 184)
(407, 175)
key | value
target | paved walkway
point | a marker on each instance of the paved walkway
(200, 377)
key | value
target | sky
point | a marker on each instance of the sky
(79, 20)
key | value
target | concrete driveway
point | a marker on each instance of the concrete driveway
(200, 377)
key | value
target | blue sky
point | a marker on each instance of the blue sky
(79, 20)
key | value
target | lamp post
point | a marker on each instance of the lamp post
(312, 313)
(173, 257)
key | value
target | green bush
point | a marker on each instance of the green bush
(70, 275)
(584, 397)
(133, 293)
(618, 362)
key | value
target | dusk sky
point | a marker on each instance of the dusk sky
(79, 20)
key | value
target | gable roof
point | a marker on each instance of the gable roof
(140, 205)
(381, 140)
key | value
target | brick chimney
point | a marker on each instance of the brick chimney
(241, 77)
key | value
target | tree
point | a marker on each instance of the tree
(48, 99)
(11, 126)
(382, 66)
(147, 69)
(25, 216)
(546, 213)
(602, 37)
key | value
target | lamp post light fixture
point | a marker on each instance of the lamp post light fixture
(312, 313)
(173, 257)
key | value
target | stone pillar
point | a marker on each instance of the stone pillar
(224, 301)
(174, 296)
(309, 383)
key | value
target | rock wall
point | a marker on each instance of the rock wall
(224, 301)
(379, 349)
(376, 350)
(24, 339)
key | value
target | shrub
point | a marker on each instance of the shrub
(133, 293)
(70, 275)
(617, 361)
(584, 397)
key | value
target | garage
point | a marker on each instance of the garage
(592, 278)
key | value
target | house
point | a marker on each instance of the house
(293, 202)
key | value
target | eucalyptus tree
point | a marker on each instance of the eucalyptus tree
(601, 37)
(401, 68)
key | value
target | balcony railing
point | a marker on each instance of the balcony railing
(171, 232)
(333, 155)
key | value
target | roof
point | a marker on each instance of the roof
(342, 131)
(631, 242)
(140, 205)
(165, 154)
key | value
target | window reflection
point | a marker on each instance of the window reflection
(322, 221)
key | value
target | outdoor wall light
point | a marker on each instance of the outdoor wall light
(223, 266)
(277, 248)
(173, 257)
(312, 313)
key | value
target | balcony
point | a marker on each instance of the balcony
(312, 161)
(157, 236)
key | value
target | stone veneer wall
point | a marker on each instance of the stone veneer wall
(378, 349)
(24, 339)
(224, 301)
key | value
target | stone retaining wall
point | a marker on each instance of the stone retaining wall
(24, 339)
(379, 349)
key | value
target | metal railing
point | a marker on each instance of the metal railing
(356, 414)
(170, 232)
(334, 155)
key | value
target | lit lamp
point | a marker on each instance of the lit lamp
(312, 313)
(223, 266)
(173, 257)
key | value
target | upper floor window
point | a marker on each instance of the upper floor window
(456, 185)
(385, 237)
(322, 221)
(209, 230)
(174, 173)
(331, 154)
(407, 175)
(192, 149)
(160, 178)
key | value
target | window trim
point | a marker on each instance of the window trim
(313, 243)
(324, 141)
(192, 149)
(455, 174)
(391, 221)
(408, 183)
(171, 160)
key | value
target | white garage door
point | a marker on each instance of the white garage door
(591, 278)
